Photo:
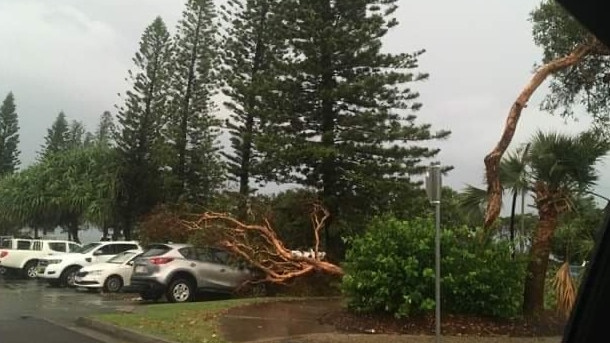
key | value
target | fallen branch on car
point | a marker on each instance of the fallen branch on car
(259, 245)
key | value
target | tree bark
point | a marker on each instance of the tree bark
(533, 294)
(492, 160)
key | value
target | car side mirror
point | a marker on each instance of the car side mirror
(97, 253)
(130, 263)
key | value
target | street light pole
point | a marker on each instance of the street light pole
(438, 271)
(433, 188)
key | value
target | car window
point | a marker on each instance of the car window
(24, 245)
(88, 248)
(188, 253)
(122, 257)
(156, 250)
(57, 246)
(37, 246)
(124, 247)
(222, 256)
(109, 249)
(7, 244)
(207, 255)
(72, 247)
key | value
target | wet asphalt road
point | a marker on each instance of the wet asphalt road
(32, 312)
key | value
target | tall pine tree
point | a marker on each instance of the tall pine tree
(9, 136)
(140, 121)
(57, 138)
(249, 51)
(105, 129)
(346, 126)
(192, 130)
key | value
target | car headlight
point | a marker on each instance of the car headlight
(54, 261)
(95, 273)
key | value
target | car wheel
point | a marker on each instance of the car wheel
(150, 296)
(29, 271)
(68, 277)
(113, 284)
(180, 291)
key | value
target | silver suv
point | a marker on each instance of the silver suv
(178, 271)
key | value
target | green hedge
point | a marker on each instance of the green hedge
(391, 269)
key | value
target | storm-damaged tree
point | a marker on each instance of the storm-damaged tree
(191, 132)
(343, 121)
(578, 65)
(250, 46)
(140, 120)
(9, 136)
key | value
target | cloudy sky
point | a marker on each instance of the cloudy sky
(73, 55)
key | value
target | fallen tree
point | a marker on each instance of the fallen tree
(259, 245)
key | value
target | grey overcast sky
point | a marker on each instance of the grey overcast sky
(73, 55)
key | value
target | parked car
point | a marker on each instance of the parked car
(178, 271)
(26, 253)
(2, 240)
(10, 243)
(61, 270)
(111, 275)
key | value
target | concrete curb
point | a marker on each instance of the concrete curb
(119, 332)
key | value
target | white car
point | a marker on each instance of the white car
(60, 270)
(111, 275)
(23, 254)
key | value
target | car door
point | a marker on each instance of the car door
(209, 272)
(235, 274)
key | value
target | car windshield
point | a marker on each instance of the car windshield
(87, 248)
(122, 257)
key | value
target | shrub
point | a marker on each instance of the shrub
(391, 269)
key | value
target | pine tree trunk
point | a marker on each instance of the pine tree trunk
(533, 295)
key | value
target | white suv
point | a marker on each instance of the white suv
(61, 270)
(26, 253)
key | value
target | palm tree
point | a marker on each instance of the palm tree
(555, 169)
(559, 168)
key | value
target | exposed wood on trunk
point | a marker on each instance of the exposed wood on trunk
(492, 160)
(261, 247)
